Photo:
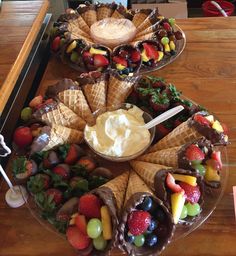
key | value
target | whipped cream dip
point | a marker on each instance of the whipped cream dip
(118, 133)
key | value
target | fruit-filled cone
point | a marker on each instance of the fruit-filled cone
(199, 156)
(146, 226)
(70, 94)
(53, 136)
(201, 124)
(182, 191)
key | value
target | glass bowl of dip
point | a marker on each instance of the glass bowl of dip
(117, 135)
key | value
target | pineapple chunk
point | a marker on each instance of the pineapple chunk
(177, 204)
(71, 47)
(144, 56)
(97, 51)
(211, 174)
(106, 223)
(217, 126)
(161, 55)
(210, 118)
(191, 180)
(172, 45)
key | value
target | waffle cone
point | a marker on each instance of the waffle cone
(146, 24)
(76, 31)
(119, 89)
(117, 15)
(83, 25)
(62, 115)
(167, 157)
(144, 37)
(182, 134)
(147, 171)
(104, 12)
(96, 94)
(139, 18)
(60, 135)
(75, 100)
(136, 185)
(90, 17)
(118, 187)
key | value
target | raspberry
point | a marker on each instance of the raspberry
(192, 192)
(138, 222)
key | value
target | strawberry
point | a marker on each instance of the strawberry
(201, 120)
(159, 84)
(123, 54)
(22, 136)
(135, 56)
(90, 205)
(192, 193)
(56, 43)
(72, 154)
(159, 102)
(167, 26)
(77, 239)
(194, 153)
(214, 164)
(170, 182)
(87, 55)
(151, 52)
(100, 60)
(138, 222)
(51, 159)
(88, 162)
(81, 224)
(38, 100)
(55, 194)
(120, 60)
(23, 168)
(162, 130)
(216, 155)
(62, 170)
(38, 182)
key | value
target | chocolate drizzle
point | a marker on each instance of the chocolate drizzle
(131, 205)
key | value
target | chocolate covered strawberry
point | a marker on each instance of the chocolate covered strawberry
(70, 153)
(38, 183)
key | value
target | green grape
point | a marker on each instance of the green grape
(184, 213)
(99, 243)
(165, 40)
(139, 240)
(94, 228)
(172, 21)
(200, 168)
(74, 56)
(62, 41)
(193, 209)
(26, 114)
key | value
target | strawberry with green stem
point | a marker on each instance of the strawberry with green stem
(24, 168)
(38, 183)
(159, 102)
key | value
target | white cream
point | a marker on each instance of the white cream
(118, 133)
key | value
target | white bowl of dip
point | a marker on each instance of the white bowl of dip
(118, 134)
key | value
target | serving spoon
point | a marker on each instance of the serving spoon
(164, 116)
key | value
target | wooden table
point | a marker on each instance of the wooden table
(206, 73)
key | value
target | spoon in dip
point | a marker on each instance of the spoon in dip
(164, 116)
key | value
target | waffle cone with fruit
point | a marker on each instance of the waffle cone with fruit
(200, 124)
(56, 135)
(70, 94)
(119, 89)
(59, 114)
(89, 14)
(135, 205)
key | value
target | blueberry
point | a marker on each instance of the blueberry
(153, 225)
(146, 205)
(159, 215)
(151, 240)
(129, 238)
(131, 70)
(172, 52)
(125, 71)
(148, 63)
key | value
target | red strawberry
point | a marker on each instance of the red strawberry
(159, 103)
(56, 43)
(167, 26)
(151, 52)
(36, 101)
(214, 164)
(62, 170)
(192, 193)
(50, 160)
(81, 224)
(162, 130)
(138, 222)
(159, 84)
(87, 55)
(77, 239)
(88, 163)
(201, 120)
(170, 182)
(56, 195)
(216, 155)
(100, 60)
(22, 136)
(72, 155)
(120, 60)
(194, 153)
(135, 56)
(90, 205)
(124, 54)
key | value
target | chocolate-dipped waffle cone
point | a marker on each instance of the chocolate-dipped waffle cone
(189, 131)
(96, 94)
(56, 135)
(147, 171)
(59, 114)
(82, 24)
(88, 13)
(105, 11)
(76, 31)
(167, 157)
(137, 39)
(117, 15)
(119, 89)
(140, 16)
(136, 192)
(150, 20)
